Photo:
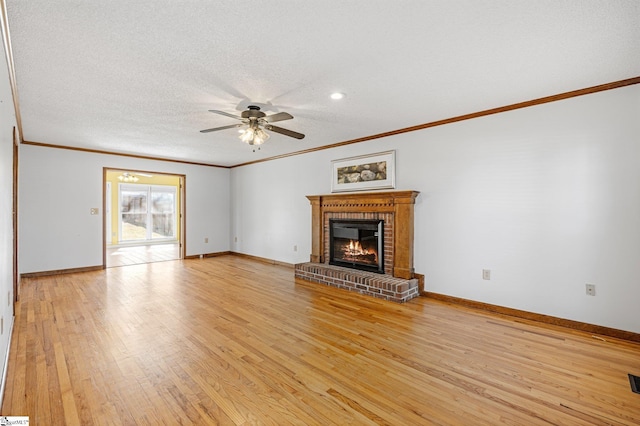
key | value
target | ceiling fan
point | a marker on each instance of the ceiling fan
(257, 122)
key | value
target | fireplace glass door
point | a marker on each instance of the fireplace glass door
(357, 244)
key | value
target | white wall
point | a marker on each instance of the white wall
(270, 214)
(7, 123)
(59, 187)
(547, 197)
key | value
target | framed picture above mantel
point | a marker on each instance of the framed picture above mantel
(364, 172)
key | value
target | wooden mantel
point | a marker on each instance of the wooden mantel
(399, 203)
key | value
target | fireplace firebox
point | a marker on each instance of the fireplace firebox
(357, 244)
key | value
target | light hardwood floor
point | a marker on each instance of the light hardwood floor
(232, 341)
(134, 255)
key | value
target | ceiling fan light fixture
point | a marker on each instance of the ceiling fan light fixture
(260, 136)
(246, 135)
(254, 136)
(128, 178)
(257, 122)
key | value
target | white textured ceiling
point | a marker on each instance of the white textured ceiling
(138, 77)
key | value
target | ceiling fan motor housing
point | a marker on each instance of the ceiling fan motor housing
(253, 112)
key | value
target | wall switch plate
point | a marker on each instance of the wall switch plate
(94, 210)
(591, 289)
(486, 274)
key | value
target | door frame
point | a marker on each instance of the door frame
(182, 216)
(16, 275)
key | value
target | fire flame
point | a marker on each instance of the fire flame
(355, 249)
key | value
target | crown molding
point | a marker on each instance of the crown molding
(98, 151)
(526, 104)
(539, 101)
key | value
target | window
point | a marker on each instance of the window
(147, 212)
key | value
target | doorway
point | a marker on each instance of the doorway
(143, 217)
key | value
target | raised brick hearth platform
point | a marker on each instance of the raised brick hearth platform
(369, 283)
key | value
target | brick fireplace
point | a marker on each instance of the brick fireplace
(395, 209)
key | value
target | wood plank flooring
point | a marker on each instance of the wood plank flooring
(232, 341)
(134, 255)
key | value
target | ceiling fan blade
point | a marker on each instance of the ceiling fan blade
(231, 126)
(226, 114)
(285, 132)
(278, 117)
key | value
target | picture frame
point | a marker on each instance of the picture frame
(364, 172)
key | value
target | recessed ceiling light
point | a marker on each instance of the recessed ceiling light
(337, 95)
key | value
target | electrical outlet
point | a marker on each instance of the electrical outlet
(206, 240)
(235, 240)
(94, 210)
(295, 248)
(591, 289)
(8, 298)
(486, 274)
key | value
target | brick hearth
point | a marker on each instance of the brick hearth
(395, 208)
(369, 283)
